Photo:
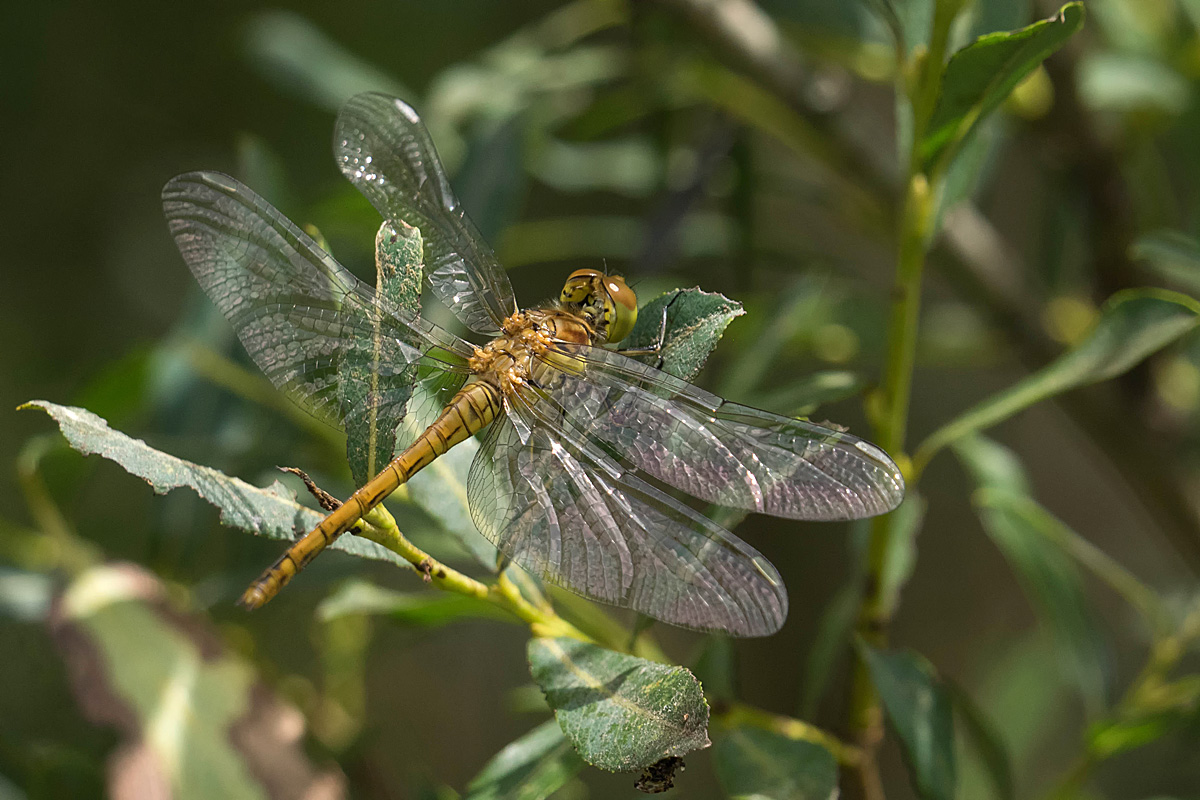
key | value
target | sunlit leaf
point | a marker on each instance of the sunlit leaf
(530, 768)
(195, 720)
(1133, 324)
(1172, 254)
(919, 712)
(695, 321)
(371, 418)
(979, 76)
(423, 609)
(754, 764)
(272, 512)
(621, 713)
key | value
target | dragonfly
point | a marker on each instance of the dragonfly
(584, 451)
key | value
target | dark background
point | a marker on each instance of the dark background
(105, 102)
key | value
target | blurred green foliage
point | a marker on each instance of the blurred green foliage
(825, 165)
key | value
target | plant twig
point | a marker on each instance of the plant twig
(379, 526)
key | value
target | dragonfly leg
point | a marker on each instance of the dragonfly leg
(468, 412)
(323, 498)
(655, 347)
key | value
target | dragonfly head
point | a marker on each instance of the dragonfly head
(605, 301)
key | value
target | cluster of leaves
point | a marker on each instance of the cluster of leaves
(618, 705)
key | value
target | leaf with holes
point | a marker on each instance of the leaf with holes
(695, 322)
(621, 713)
(272, 511)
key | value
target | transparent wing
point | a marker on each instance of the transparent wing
(718, 451)
(384, 150)
(578, 520)
(299, 314)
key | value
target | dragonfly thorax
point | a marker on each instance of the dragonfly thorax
(516, 357)
(604, 301)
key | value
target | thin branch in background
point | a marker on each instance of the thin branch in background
(661, 244)
(746, 38)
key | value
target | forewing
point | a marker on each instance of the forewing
(383, 148)
(718, 451)
(585, 524)
(299, 314)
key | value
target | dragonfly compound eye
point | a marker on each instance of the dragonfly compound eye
(620, 307)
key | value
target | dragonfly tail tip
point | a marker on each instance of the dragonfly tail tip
(253, 598)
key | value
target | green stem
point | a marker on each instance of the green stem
(381, 528)
(739, 714)
(922, 83)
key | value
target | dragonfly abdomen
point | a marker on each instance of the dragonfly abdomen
(467, 413)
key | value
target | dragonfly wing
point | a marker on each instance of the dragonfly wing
(299, 314)
(718, 451)
(383, 148)
(577, 519)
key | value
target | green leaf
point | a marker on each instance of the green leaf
(695, 322)
(194, 718)
(530, 768)
(992, 465)
(371, 416)
(621, 713)
(1028, 537)
(272, 512)
(919, 711)
(992, 750)
(1174, 255)
(1133, 324)
(421, 609)
(1022, 530)
(980, 76)
(754, 764)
